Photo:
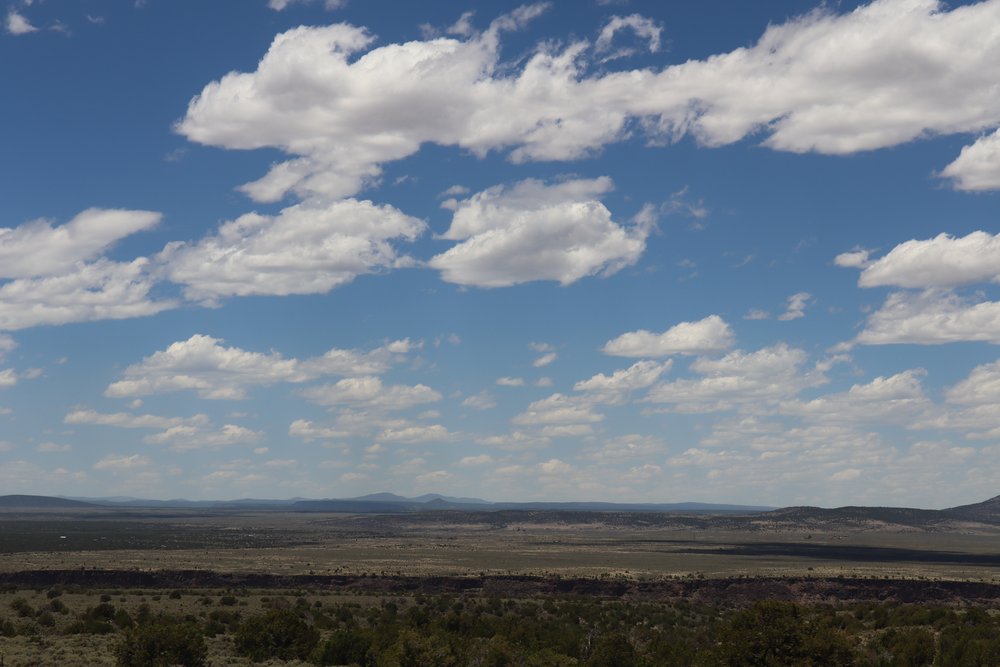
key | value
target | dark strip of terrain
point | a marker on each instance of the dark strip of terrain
(849, 552)
(729, 591)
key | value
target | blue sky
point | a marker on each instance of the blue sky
(630, 251)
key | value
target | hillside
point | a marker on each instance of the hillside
(987, 511)
(40, 502)
(857, 517)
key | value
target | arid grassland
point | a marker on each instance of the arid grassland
(235, 587)
(569, 544)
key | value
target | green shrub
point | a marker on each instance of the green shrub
(909, 647)
(344, 647)
(214, 628)
(144, 614)
(773, 633)
(277, 634)
(496, 651)
(28, 629)
(163, 643)
(123, 620)
(413, 649)
(21, 606)
(103, 611)
(221, 621)
(612, 650)
(974, 642)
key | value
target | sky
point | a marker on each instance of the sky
(605, 250)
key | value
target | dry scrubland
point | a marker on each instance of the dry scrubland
(54, 637)
(64, 574)
(642, 546)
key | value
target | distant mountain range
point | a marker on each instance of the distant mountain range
(387, 502)
(372, 503)
(986, 512)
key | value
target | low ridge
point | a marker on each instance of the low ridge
(987, 511)
(40, 502)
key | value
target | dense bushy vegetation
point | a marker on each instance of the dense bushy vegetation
(163, 642)
(277, 634)
(453, 631)
(457, 630)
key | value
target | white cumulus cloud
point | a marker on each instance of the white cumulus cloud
(558, 409)
(473, 461)
(38, 249)
(122, 463)
(101, 290)
(534, 231)
(370, 392)
(855, 259)
(545, 359)
(898, 399)
(128, 420)
(739, 379)
(203, 364)
(184, 438)
(416, 434)
(943, 261)
(881, 75)
(482, 401)
(931, 317)
(796, 306)
(982, 386)
(18, 24)
(307, 430)
(616, 388)
(711, 334)
(977, 167)
(305, 249)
